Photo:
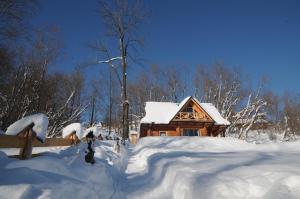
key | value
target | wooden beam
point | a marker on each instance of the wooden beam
(11, 141)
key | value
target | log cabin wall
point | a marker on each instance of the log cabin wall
(176, 129)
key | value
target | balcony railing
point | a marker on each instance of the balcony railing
(190, 116)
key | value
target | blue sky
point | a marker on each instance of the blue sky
(262, 37)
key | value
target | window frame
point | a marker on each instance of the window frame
(190, 109)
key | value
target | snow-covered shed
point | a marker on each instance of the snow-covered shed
(187, 118)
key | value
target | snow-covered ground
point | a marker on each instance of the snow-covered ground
(158, 167)
(213, 168)
(61, 174)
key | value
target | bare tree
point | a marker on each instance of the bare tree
(220, 86)
(14, 15)
(226, 89)
(122, 21)
(291, 116)
(24, 91)
(174, 84)
(31, 88)
(250, 114)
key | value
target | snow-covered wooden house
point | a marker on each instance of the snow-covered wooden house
(188, 118)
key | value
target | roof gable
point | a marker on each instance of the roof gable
(197, 107)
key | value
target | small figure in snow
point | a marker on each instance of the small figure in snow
(100, 137)
(117, 146)
(89, 157)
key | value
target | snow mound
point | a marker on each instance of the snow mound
(71, 128)
(40, 125)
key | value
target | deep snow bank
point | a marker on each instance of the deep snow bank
(195, 167)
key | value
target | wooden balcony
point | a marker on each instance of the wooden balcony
(191, 116)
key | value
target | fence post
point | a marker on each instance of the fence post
(30, 135)
(73, 137)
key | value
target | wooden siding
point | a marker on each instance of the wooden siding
(177, 129)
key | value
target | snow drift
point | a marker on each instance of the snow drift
(213, 168)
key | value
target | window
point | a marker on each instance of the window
(190, 132)
(163, 133)
(189, 109)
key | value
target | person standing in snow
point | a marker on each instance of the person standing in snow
(89, 157)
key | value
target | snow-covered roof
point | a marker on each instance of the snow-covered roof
(40, 125)
(164, 112)
(159, 112)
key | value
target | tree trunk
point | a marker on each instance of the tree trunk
(125, 103)
(110, 100)
(93, 111)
